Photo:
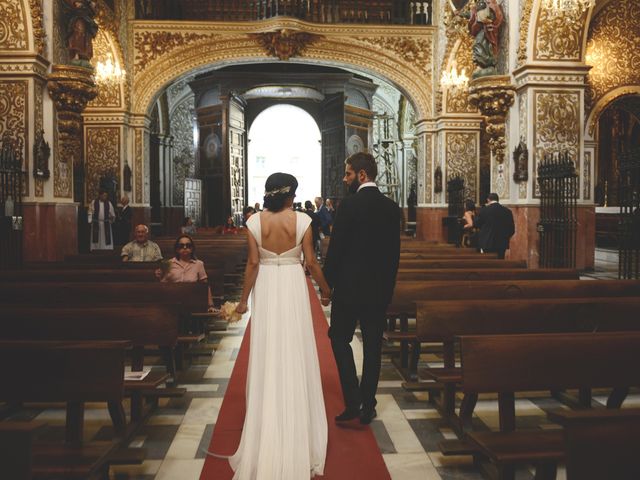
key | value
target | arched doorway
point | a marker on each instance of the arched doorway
(284, 138)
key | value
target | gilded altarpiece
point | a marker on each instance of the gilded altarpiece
(102, 156)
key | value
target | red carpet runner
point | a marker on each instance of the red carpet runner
(352, 451)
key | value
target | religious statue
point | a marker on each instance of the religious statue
(81, 30)
(485, 23)
(521, 163)
(41, 153)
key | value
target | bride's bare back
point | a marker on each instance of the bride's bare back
(278, 230)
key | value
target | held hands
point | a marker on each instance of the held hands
(325, 298)
(242, 307)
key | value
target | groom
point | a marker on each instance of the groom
(360, 267)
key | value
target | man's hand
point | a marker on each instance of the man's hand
(242, 307)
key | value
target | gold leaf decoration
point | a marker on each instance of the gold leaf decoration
(284, 43)
(558, 37)
(150, 45)
(103, 156)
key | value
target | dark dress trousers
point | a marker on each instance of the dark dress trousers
(361, 266)
(496, 226)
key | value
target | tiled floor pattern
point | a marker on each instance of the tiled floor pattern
(407, 429)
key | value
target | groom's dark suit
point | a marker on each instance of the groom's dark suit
(361, 266)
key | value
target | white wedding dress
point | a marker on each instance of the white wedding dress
(285, 428)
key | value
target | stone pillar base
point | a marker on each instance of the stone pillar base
(429, 223)
(50, 231)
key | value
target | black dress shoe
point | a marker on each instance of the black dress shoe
(367, 415)
(348, 414)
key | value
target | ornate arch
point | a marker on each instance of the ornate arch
(163, 53)
(603, 103)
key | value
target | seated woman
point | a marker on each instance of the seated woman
(185, 267)
(230, 226)
(468, 229)
(188, 228)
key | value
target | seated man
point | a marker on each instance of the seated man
(141, 249)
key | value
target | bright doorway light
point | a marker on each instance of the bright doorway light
(284, 138)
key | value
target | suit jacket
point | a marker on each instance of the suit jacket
(496, 226)
(324, 218)
(364, 252)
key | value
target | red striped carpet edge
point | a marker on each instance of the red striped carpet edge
(352, 451)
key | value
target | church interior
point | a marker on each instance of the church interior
(491, 368)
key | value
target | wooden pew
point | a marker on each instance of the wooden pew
(486, 274)
(506, 364)
(442, 321)
(139, 325)
(600, 443)
(74, 373)
(482, 263)
(406, 294)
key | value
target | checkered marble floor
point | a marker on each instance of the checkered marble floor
(407, 428)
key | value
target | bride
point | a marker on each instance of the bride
(285, 428)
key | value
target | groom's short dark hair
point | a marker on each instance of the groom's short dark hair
(363, 161)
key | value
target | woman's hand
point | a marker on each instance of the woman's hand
(325, 298)
(242, 307)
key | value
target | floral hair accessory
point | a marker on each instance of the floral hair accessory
(277, 191)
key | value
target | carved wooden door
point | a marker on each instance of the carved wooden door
(333, 145)
(193, 200)
(236, 141)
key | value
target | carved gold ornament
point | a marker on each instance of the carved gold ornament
(462, 155)
(284, 43)
(525, 20)
(13, 26)
(559, 37)
(150, 45)
(39, 34)
(493, 96)
(103, 156)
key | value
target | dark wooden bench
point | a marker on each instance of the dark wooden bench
(74, 373)
(486, 274)
(600, 443)
(442, 321)
(482, 263)
(140, 325)
(506, 364)
(16, 448)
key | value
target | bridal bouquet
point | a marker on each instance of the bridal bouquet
(228, 312)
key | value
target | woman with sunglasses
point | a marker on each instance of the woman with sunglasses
(185, 267)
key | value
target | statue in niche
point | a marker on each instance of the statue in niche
(126, 177)
(521, 163)
(485, 23)
(41, 154)
(81, 30)
(437, 180)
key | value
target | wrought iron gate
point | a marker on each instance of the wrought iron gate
(558, 224)
(11, 186)
(629, 234)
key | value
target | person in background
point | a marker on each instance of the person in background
(329, 204)
(324, 217)
(247, 212)
(188, 228)
(185, 267)
(256, 207)
(141, 249)
(101, 216)
(230, 226)
(469, 237)
(496, 227)
(124, 221)
(315, 225)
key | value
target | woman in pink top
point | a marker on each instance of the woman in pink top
(185, 267)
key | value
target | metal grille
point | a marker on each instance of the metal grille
(629, 196)
(11, 185)
(558, 224)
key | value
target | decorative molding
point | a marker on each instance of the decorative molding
(14, 30)
(525, 21)
(149, 46)
(284, 43)
(23, 66)
(137, 171)
(604, 102)
(102, 156)
(413, 51)
(457, 99)
(39, 34)
(493, 96)
(558, 37)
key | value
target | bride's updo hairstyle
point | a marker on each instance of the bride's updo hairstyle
(277, 189)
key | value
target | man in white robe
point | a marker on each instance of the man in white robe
(101, 216)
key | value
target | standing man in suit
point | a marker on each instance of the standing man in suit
(361, 266)
(496, 227)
